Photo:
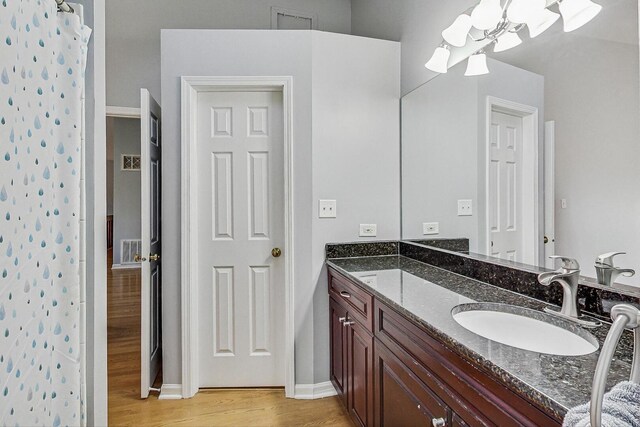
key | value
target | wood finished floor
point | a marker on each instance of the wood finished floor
(249, 407)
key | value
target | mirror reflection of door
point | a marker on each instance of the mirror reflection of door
(505, 190)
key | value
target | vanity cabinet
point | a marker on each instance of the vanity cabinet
(390, 371)
(351, 363)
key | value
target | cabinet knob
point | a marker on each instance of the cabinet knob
(345, 294)
(154, 257)
(439, 422)
(348, 323)
(342, 319)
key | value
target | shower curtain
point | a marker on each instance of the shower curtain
(42, 60)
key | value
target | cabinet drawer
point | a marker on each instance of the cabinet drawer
(401, 398)
(477, 398)
(356, 300)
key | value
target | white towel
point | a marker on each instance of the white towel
(620, 408)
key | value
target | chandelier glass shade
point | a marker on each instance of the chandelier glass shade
(439, 62)
(458, 32)
(507, 41)
(486, 14)
(497, 23)
(477, 65)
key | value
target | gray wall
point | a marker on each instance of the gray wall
(355, 156)
(415, 23)
(133, 33)
(126, 195)
(444, 124)
(345, 123)
(592, 93)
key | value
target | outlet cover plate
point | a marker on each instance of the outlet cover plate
(465, 207)
(368, 230)
(327, 209)
(430, 228)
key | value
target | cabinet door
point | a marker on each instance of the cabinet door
(360, 374)
(338, 351)
(401, 399)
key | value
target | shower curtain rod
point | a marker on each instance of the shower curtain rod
(64, 7)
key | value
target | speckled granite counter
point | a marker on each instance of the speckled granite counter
(427, 294)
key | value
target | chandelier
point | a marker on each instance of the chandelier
(498, 25)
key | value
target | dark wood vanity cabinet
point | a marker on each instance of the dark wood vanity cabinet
(389, 371)
(351, 363)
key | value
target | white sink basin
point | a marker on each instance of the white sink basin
(525, 329)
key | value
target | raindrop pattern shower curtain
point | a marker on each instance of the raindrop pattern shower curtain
(42, 60)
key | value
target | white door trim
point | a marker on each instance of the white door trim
(189, 244)
(549, 191)
(530, 154)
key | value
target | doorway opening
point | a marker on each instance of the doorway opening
(125, 283)
(512, 228)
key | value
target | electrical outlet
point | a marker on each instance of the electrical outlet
(368, 230)
(430, 228)
(327, 209)
(465, 207)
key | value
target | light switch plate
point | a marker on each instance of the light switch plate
(430, 228)
(368, 230)
(465, 207)
(327, 209)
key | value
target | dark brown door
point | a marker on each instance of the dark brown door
(360, 373)
(401, 399)
(338, 349)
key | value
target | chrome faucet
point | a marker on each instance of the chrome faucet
(568, 276)
(606, 272)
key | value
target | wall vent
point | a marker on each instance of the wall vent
(128, 250)
(130, 162)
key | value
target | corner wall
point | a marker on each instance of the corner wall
(354, 114)
(355, 155)
(133, 33)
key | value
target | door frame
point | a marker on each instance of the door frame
(191, 86)
(530, 175)
(549, 192)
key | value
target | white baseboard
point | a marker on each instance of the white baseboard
(125, 266)
(170, 392)
(315, 391)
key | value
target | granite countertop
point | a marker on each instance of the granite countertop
(427, 294)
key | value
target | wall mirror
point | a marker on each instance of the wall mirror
(539, 157)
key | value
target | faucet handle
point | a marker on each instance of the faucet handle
(567, 263)
(607, 259)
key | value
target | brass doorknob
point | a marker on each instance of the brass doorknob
(546, 239)
(276, 252)
(154, 257)
(138, 258)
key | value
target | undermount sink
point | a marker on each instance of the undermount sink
(525, 329)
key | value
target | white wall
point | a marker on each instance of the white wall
(415, 23)
(443, 147)
(133, 33)
(356, 154)
(591, 92)
(293, 53)
(439, 156)
(126, 195)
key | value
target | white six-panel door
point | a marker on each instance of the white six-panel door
(505, 187)
(240, 205)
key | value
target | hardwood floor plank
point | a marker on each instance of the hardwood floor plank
(237, 407)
